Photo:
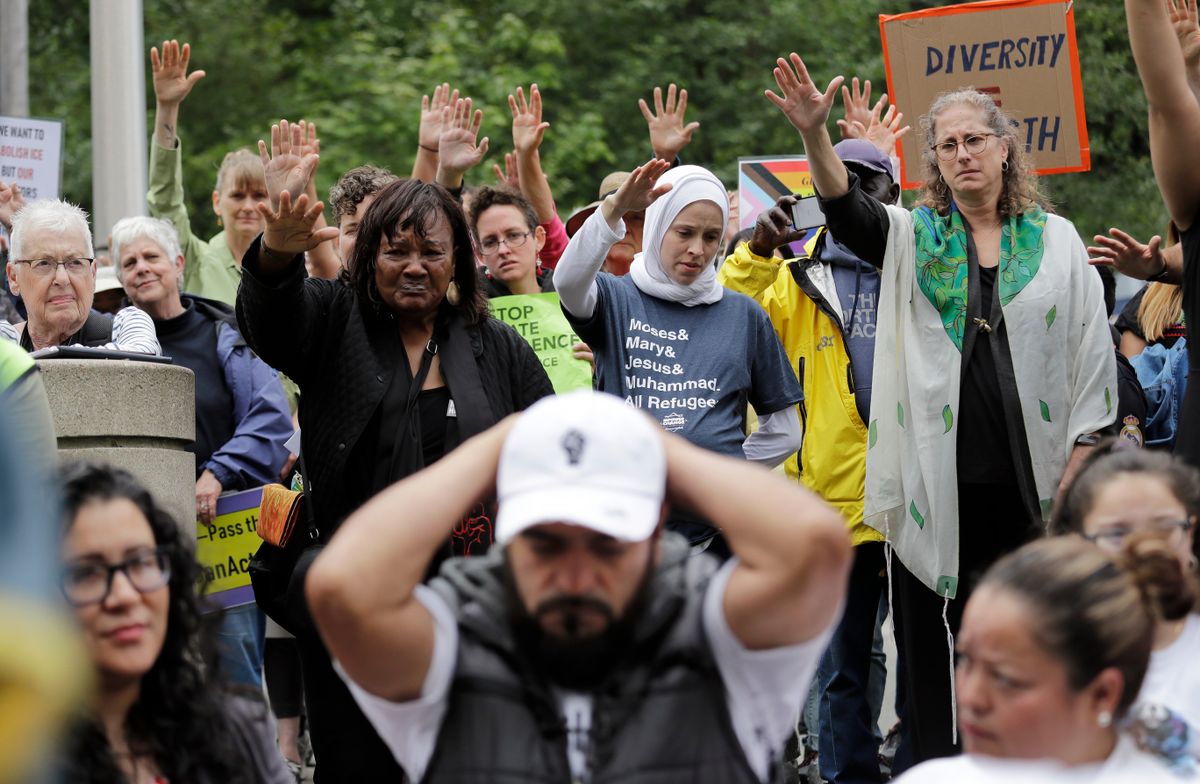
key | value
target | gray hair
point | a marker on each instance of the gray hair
(1020, 189)
(160, 232)
(53, 215)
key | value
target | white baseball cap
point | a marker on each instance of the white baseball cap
(585, 458)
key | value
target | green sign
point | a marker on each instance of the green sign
(540, 320)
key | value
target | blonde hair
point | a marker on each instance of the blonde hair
(240, 167)
(1020, 191)
(1163, 302)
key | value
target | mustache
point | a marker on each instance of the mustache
(573, 604)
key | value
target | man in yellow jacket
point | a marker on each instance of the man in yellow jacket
(822, 306)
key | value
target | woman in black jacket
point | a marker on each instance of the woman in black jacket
(397, 361)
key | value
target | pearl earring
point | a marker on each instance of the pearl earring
(1104, 719)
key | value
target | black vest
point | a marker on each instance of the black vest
(660, 718)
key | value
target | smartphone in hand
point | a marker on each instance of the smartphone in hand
(806, 214)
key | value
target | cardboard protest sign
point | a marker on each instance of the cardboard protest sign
(763, 179)
(1021, 52)
(540, 320)
(224, 548)
(31, 156)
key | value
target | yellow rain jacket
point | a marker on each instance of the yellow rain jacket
(797, 295)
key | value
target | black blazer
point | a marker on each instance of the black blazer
(315, 332)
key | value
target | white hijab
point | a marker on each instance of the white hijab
(691, 184)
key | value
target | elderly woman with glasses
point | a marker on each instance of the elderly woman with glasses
(160, 713)
(994, 366)
(1116, 499)
(51, 267)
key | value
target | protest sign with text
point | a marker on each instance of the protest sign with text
(1020, 52)
(763, 179)
(540, 320)
(31, 156)
(224, 548)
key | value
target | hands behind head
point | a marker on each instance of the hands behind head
(805, 106)
(429, 132)
(11, 201)
(457, 151)
(639, 191)
(289, 170)
(668, 134)
(1127, 255)
(773, 229)
(863, 123)
(172, 82)
(528, 130)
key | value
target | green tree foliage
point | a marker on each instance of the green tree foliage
(358, 69)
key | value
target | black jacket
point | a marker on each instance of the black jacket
(316, 333)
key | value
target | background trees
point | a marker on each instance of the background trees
(358, 69)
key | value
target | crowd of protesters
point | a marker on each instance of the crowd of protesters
(495, 582)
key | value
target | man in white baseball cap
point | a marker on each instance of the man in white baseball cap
(589, 644)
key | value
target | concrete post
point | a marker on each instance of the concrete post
(14, 58)
(139, 416)
(118, 114)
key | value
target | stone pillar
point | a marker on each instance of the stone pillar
(139, 416)
(14, 58)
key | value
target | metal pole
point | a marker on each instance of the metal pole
(14, 58)
(118, 114)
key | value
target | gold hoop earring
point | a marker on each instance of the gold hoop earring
(453, 295)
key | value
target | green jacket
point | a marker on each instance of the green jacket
(209, 269)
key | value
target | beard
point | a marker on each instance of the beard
(576, 660)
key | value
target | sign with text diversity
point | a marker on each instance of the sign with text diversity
(540, 320)
(1021, 52)
(31, 156)
(224, 548)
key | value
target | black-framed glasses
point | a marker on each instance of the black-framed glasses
(89, 581)
(1113, 537)
(48, 268)
(513, 239)
(975, 144)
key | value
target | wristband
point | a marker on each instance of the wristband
(1161, 275)
(427, 148)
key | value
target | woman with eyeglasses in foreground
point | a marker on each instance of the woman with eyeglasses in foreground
(1052, 653)
(1117, 498)
(160, 714)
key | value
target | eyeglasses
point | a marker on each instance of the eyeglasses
(90, 582)
(48, 268)
(975, 144)
(1113, 538)
(514, 240)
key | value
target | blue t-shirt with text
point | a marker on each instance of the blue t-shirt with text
(691, 368)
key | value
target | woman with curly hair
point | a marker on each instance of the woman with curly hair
(159, 716)
(994, 366)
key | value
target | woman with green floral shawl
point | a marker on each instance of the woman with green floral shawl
(994, 367)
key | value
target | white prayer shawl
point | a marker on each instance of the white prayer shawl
(1065, 370)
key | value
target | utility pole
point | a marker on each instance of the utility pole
(118, 114)
(14, 58)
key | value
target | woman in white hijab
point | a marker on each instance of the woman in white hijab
(667, 337)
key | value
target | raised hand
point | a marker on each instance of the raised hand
(773, 229)
(857, 105)
(668, 134)
(883, 132)
(172, 82)
(11, 201)
(508, 176)
(802, 102)
(287, 169)
(1187, 29)
(430, 130)
(1127, 255)
(528, 130)
(457, 150)
(290, 227)
(638, 192)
